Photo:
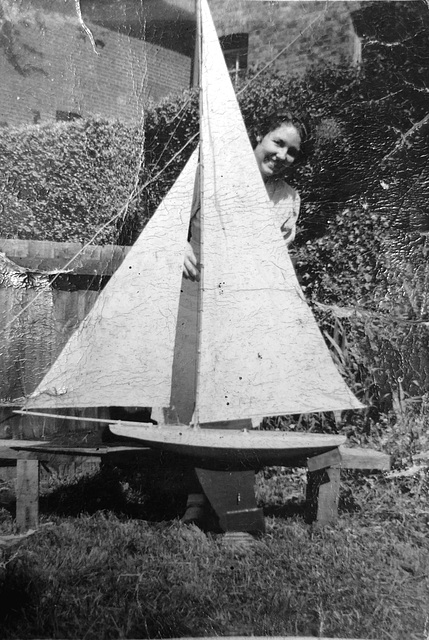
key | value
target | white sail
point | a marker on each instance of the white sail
(122, 353)
(261, 350)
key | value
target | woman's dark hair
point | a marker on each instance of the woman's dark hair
(272, 122)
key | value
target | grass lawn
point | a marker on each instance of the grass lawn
(107, 564)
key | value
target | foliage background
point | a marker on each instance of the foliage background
(361, 250)
(62, 181)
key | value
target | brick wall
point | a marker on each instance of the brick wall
(47, 62)
(49, 65)
(275, 25)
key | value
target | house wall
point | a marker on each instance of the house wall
(48, 64)
(312, 31)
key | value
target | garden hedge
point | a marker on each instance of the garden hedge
(62, 181)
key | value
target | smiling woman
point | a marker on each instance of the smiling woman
(277, 147)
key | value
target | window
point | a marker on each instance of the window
(66, 116)
(235, 47)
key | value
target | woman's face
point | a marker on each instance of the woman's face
(277, 150)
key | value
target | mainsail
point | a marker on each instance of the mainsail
(122, 353)
(260, 351)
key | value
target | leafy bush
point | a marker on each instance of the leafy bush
(63, 181)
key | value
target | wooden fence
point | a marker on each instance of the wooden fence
(46, 289)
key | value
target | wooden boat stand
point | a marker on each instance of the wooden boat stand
(230, 493)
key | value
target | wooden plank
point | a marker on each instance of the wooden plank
(61, 454)
(27, 494)
(44, 450)
(42, 255)
(364, 459)
(10, 454)
(11, 343)
(63, 459)
(7, 451)
(324, 460)
(12, 442)
(18, 248)
(38, 336)
(348, 458)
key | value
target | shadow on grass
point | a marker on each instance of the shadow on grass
(19, 588)
(295, 507)
(290, 509)
(154, 495)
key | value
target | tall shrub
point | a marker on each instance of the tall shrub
(64, 181)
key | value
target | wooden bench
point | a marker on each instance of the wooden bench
(323, 479)
(27, 481)
(27, 455)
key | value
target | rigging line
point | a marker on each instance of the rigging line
(318, 17)
(134, 194)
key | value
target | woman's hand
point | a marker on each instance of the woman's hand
(190, 265)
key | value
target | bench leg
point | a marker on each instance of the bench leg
(27, 494)
(323, 491)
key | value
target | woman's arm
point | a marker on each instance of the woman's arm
(288, 227)
(190, 265)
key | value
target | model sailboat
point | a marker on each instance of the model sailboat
(255, 348)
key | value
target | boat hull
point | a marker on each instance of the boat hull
(231, 449)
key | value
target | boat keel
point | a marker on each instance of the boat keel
(232, 497)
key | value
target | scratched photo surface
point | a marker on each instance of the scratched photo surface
(214, 318)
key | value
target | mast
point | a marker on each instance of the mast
(198, 75)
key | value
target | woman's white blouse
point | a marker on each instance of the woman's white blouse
(286, 203)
